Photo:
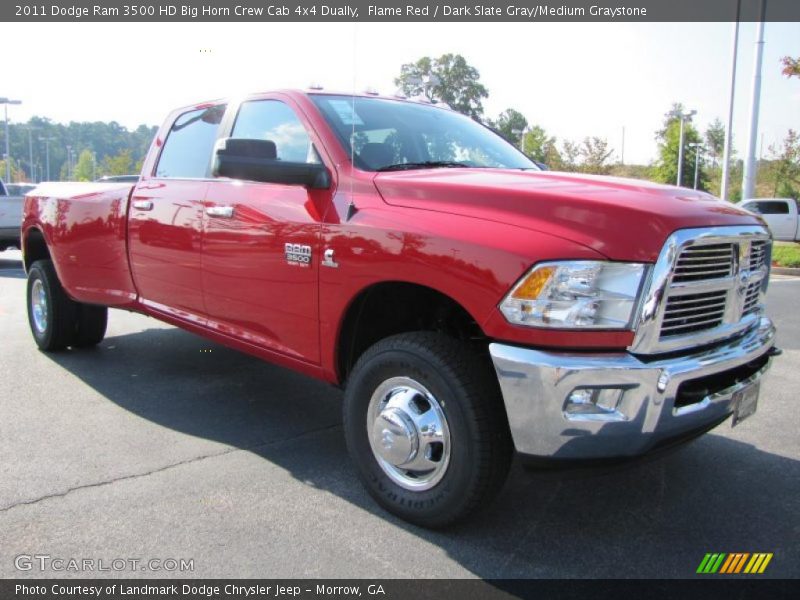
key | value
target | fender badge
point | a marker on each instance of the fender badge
(298, 254)
(327, 259)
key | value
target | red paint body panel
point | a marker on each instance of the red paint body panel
(85, 228)
(250, 291)
(619, 218)
(468, 233)
(164, 245)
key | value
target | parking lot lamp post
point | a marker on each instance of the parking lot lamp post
(30, 155)
(683, 117)
(698, 149)
(521, 134)
(5, 102)
(47, 141)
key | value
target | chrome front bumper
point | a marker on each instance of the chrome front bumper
(636, 400)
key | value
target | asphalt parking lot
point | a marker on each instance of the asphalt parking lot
(160, 445)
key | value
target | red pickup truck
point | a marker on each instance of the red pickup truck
(469, 303)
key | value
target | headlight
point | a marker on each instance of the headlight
(575, 295)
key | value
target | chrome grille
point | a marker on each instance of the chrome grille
(706, 286)
(693, 312)
(697, 263)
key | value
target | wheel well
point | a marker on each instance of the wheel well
(35, 248)
(390, 308)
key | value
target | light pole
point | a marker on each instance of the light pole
(726, 152)
(698, 149)
(683, 117)
(521, 134)
(750, 174)
(69, 162)
(30, 155)
(6, 102)
(47, 141)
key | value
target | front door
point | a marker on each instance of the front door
(261, 244)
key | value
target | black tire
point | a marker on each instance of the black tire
(59, 323)
(465, 386)
(91, 325)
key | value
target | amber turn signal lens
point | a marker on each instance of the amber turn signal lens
(532, 286)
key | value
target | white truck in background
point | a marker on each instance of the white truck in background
(10, 216)
(781, 215)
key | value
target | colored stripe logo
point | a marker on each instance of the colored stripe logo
(734, 563)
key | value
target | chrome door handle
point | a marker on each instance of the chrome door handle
(220, 211)
(143, 204)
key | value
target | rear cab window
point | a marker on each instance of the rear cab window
(769, 207)
(188, 150)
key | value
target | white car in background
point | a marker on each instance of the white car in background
(781, 215)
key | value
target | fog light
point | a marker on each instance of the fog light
(581, 397)
(599, 402)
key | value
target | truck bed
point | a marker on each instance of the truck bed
(85, 227)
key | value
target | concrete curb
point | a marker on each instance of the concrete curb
(785, 271)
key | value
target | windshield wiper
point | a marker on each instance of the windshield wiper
(429, 164)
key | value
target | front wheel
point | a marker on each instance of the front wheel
(426, 428)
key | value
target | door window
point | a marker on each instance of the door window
(274, 121)
(770, 208)
(190, 143)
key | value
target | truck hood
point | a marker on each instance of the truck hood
(623, 219)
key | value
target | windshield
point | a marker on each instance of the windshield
(389, 134)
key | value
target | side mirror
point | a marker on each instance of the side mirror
(541, 165)
(256, 160)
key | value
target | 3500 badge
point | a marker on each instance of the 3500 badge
(298, 254)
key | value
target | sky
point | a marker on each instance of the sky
(573, 79)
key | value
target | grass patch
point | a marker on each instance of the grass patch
(786, 254)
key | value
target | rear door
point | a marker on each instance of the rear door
(261, 243)
(166, 216)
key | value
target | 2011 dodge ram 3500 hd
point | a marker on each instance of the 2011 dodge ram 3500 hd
(469, 303)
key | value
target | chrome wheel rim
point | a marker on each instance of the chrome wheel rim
(39, 306)
(408, 433)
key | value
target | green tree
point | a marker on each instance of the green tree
(785, 174)
(791, 66)
(715, 139)
(665, 169)
(510, 124)
(541, 147)
(570, 151)
(449, 79)
(594, 152)
(85, 168)
(104, 139)
(17, 174)
(119, 164)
